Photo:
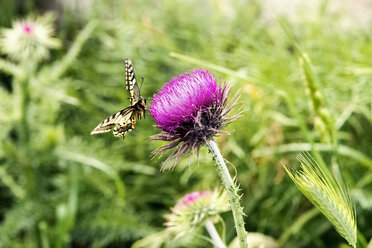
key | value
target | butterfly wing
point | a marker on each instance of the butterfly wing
(120, 121)
(131, 82)
(120, 130)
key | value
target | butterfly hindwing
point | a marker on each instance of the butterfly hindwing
(120, 130)
(131, 82)
(120, 118)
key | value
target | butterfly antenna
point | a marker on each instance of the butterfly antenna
(141, 83)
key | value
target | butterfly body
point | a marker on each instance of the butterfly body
(124, 121)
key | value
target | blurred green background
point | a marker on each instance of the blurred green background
(61, 187)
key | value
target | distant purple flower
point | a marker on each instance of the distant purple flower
(192, 197)
(189, 110)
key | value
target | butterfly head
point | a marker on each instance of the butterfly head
(142, 102)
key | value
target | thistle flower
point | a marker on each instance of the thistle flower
(328, 194)
(29, 39)
(194, 209)
(190, 110)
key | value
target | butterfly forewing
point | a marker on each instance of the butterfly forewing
(124, 121)
(131, 82)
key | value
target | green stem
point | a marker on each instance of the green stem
(361, 240)
(24, 100)
(44, 240)
(21, 108)
(232, 192)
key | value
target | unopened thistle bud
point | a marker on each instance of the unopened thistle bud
(194, 209)
(29, 39)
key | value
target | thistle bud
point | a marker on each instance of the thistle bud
(29, 39)
(194, 209)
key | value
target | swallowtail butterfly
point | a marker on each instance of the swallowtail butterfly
(124, 121)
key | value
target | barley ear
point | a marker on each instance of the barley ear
(328, 194)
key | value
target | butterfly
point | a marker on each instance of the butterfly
(124, 121)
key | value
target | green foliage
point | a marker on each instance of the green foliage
(61, 187)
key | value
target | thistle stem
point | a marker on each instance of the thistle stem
(217, 241)
(21, 112)
(24, 99)
(232, 192)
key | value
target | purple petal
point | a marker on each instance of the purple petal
(180, 99)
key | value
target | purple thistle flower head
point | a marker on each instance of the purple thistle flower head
(181, 98)
(190, 110)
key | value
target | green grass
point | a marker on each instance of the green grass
(63, 187)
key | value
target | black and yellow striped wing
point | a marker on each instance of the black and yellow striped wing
(122, 122)
(131, 82)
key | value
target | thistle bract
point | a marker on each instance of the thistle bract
(189, 110)
(194, 209)
(29, 39)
